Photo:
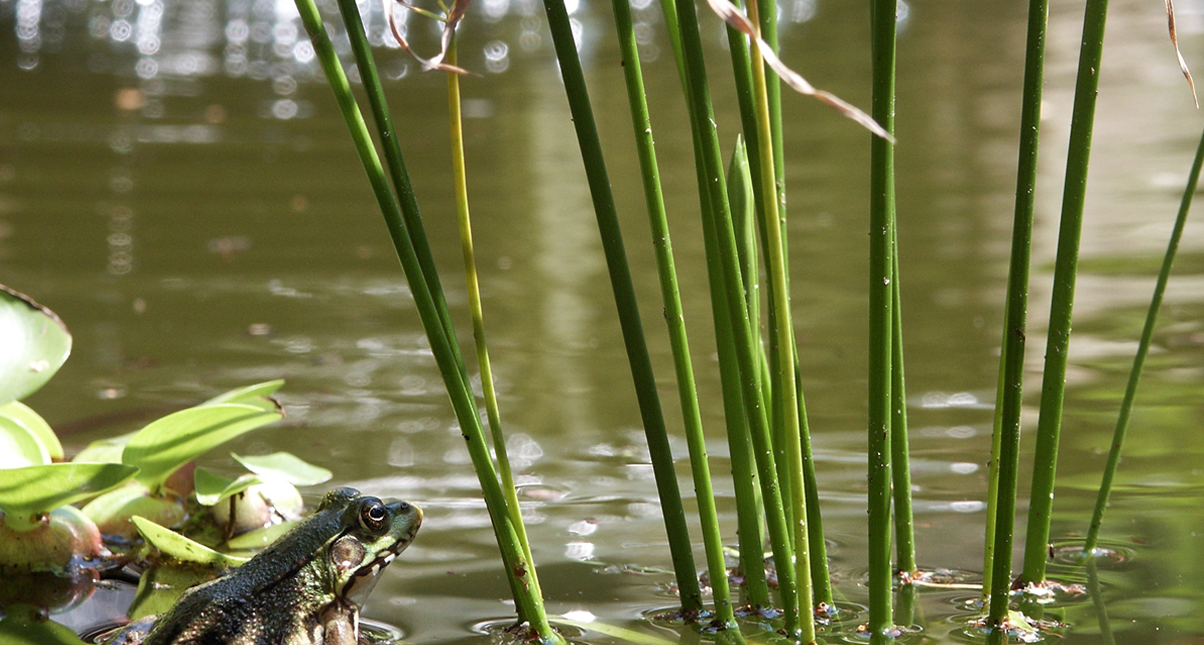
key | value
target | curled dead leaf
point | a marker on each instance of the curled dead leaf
(1170, 24)
(730, 14)
(453, 18)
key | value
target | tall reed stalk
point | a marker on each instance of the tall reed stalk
(1143, 348)
(1053, 387)
(674, 317)
(629, 315)
(725, 280)
(404, 224)
(1005, 443)
(881, 296)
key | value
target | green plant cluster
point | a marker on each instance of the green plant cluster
(136, 487)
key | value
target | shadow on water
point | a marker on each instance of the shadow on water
(175, 182)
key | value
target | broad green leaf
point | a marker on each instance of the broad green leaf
(104, 451)
(212, 488)
(286, 466)
(27, 492)
(178, 438)
(177, 546)
(256, 395)
(161, 585)
(34, 343)
(34, 422)
(19, 446)
(259, 538)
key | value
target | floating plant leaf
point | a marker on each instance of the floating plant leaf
(36, 425)
(174, 440)
(27, 625)
(259, 538)
(211, 488)
(286, 466)
(104, 451)
(34, 345)
(27, 492)
(177, 546)
(257, 395)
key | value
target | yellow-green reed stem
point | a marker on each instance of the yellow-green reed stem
(460, 178)
(1143, 348)
(905, 541)
(882, 212)
(717, 226)
(786, 396)
(674, 317)
(629, 314)
(442, 338)
(1053, 386)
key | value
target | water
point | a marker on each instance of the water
(176, 183)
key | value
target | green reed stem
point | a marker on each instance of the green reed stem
(748, 502)
(442, 338)
(1143, 348)
(905, 548)
(1045, 460)
(1007, 438)
(988, 548)
(478, 317)
(1053, 387)
(786, 396)
(629, 314)
(721, 250)
(674, 317)
(882, 212)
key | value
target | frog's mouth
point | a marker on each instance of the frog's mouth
(365, 578)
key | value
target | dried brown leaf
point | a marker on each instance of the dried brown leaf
(449, 28)
(1170, 23)
(734, 17)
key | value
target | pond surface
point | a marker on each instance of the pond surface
(176, 183)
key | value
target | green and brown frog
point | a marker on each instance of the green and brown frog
(305, 589)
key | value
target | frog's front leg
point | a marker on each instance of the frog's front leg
(340, 624)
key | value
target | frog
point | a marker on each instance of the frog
(307, 588)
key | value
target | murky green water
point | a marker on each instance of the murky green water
(176, 184)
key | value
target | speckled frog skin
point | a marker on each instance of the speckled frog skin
(306, 589)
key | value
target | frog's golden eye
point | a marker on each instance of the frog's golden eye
(372, 515)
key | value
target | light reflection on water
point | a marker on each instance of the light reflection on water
(181, 190)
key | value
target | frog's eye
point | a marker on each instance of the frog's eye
(372, 515)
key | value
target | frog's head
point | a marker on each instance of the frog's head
(373, 533)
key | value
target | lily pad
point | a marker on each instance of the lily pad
(36, 425)
(286, 466)
(212, 488)
(177, 546)
(174, 440)
(30, 491)
(19, 446)
(36, 343)
(257, 395)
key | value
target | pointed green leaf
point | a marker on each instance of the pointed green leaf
(19, 447)
(104, 451)
(257, 395)
(36, 425)
(27, 492)
(177, 546)
(212, 488)
(286, 466)
(170, 442)
(35, 344)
